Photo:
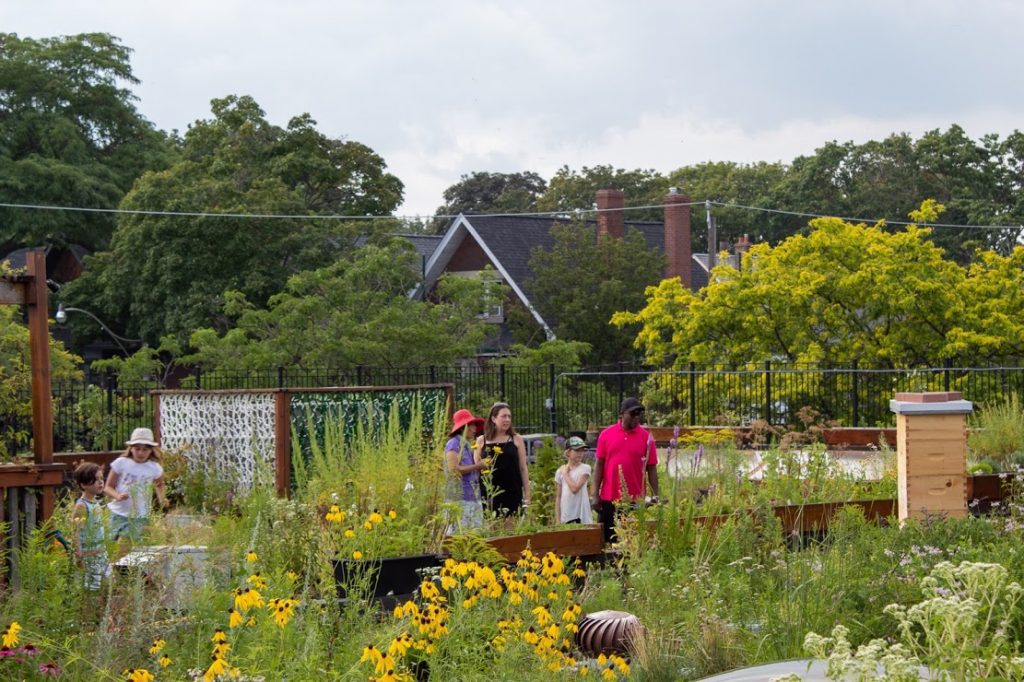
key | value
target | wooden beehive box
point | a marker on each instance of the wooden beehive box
(931, 444)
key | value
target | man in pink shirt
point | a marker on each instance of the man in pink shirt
(625, 451)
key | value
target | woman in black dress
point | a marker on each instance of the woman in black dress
(506, 490)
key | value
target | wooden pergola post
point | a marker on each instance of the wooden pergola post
(30, 290)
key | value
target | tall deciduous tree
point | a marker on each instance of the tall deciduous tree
(482, 192)
(569, 190)
(977, 182)
(167, 274)
(731, 183)
(582, 281)
(69, 136)
(355, 311)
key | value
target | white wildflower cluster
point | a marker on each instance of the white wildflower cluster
(960, 630)
(875, 660)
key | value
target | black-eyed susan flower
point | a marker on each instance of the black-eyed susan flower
(157, 647)
(138, 675)
(251, 557)
(164, 661)
(10, 638)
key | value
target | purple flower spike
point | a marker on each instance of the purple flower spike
(676, 431)
(560, 442)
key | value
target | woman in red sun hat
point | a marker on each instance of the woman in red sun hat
(463, 471)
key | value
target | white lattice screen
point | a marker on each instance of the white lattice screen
(221, 434)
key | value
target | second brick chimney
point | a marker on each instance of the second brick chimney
(609, 220)
(678, 251)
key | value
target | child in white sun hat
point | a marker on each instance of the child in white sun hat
(134, 476)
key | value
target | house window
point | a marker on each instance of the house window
(494, 299)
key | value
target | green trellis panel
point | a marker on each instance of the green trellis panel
(370, 409)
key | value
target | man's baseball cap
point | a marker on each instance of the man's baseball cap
(630, 404)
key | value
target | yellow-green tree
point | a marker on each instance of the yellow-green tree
(839, 294)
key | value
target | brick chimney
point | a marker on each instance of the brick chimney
(742, 246)
(678, 252)
(609, 220)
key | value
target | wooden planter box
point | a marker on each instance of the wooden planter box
(581, 541)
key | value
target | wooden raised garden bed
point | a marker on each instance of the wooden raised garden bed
(580, 541)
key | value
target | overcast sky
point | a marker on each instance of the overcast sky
(441, 88)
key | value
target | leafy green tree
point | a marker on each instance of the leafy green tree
(569, 190)
(840, 294)
(69, 136)
(732, 183)
(977, 182)
(355, 311)
(167, 274)
(582, 281)
(483, 192)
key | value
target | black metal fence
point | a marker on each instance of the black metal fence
(101, 412)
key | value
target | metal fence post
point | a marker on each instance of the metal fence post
(693, 394)
(768, 391)
(501, 383)
(945, 374)
(199, 377)
(280, 377)
(551, 399)
(856, 395)
(110, 409)
(622, 382)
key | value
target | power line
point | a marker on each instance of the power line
(569, 213)
(306, 216)
(864, 220)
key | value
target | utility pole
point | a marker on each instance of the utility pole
(712, 236)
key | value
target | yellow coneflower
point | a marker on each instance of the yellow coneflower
(375, 517)
(251, 557)
(138, 675)
(392, 514)
(234, 618)
(218, 636)
(164, 661)
(158, 645)
(217, 667)
(257, 581)
(11, 635)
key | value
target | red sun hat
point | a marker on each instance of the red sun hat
(462, 418)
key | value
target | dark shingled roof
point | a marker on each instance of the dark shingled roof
(424, 243)
(512, 239)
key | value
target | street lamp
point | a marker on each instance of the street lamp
(62, 316)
